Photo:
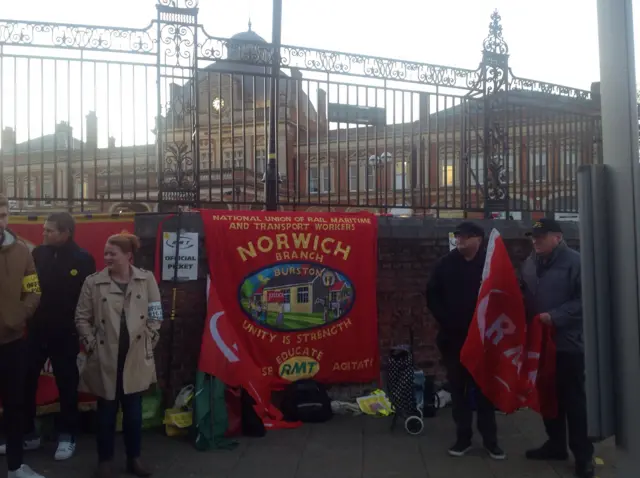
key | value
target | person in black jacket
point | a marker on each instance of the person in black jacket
(452, 293)
(62, 267)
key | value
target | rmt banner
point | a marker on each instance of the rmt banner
(295, 297)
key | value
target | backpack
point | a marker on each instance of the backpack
(306, 401)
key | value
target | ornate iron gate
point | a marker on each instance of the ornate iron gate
(168, 116)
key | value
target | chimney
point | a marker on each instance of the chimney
(92, 130)
(322, 106)
(175, 93)
(112, 142)
(8, 138)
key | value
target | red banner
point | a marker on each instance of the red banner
(293, 295)
(91, 234)
(509, 361)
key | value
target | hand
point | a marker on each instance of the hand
(545, 318)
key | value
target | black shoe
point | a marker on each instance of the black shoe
(495, 452)
(547, 453)
(585, 470)
(461, 448)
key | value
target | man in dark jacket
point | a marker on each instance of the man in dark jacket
(552, 291)
(62, 268)
(452, 294)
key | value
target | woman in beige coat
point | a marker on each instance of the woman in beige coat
(118, 317)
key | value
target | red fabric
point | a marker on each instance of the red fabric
(513, 365)
(232, 398)
(274, 316)
(539, 374)
(91, 234)
(234, 367)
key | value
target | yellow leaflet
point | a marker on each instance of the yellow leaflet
(31, 284)
(599, 461)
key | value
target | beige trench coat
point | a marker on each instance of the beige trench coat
(98, 323)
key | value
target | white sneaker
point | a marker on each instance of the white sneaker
(24, 472)
(30, 444)
(66, 449)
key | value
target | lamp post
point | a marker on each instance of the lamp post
(620, 156)
(271, 176)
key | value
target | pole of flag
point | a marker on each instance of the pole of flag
(271, 175)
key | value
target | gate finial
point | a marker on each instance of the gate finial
(494, 42)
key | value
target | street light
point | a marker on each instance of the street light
(271, 177)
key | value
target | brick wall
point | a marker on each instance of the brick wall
(407, 251)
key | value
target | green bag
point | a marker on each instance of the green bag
(210, 414)
(152, 412)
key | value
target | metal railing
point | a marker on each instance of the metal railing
(103, 119)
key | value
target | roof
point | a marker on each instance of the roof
(47, 142)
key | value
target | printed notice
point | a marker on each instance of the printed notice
(187, 256)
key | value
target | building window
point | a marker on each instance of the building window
(402, 175)
(303, 295)
(540, 170)
(47, 192)
(238, 157)
(261, 159)
(325, 179)
(313, 179)
(371, 177)
(446, 175)
(10, 188)
(334, 296)
(80, 189)
(476, 169)
(353, 177)
(30, 190)
(287, 296)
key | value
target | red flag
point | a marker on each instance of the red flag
(495, 343)
(221, 357)
(512, 363)
(538, 382)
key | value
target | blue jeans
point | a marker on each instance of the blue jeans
(131, 425)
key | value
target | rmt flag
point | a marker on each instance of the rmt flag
(503, 361)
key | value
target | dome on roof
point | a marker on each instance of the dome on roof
(249, 35)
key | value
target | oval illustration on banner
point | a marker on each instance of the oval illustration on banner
(298, 368)
(296, 296)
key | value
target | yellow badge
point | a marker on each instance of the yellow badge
(31, 284)
(537, 225)
(73, 272)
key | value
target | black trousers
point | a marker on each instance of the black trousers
(12, 378)
(461, 383)
(63, 350)
(572, 408)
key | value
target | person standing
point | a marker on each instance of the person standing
(62, 268)
(452, 293)
(552, 291)
(118, 319)
(19, 297)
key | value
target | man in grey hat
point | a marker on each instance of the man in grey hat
(552, 291)
(452, 294)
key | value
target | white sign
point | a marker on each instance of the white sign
(187, 256)
(567, 216)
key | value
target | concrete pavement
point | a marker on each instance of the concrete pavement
(346, 447)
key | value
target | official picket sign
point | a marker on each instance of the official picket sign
(187, 256)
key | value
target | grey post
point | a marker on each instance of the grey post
(620, 143)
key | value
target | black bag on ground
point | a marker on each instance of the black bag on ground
(252, 425)
(306, 401)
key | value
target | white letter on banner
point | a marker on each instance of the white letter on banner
(502, 326)
(516, 353)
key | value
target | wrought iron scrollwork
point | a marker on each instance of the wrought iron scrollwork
(85, 37)
(497, 174)
(494, 42)
(179, 182)
(524, 84)
(179, 3)
(178, 42)
(261, 54)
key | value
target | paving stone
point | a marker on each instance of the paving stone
(346, 447)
